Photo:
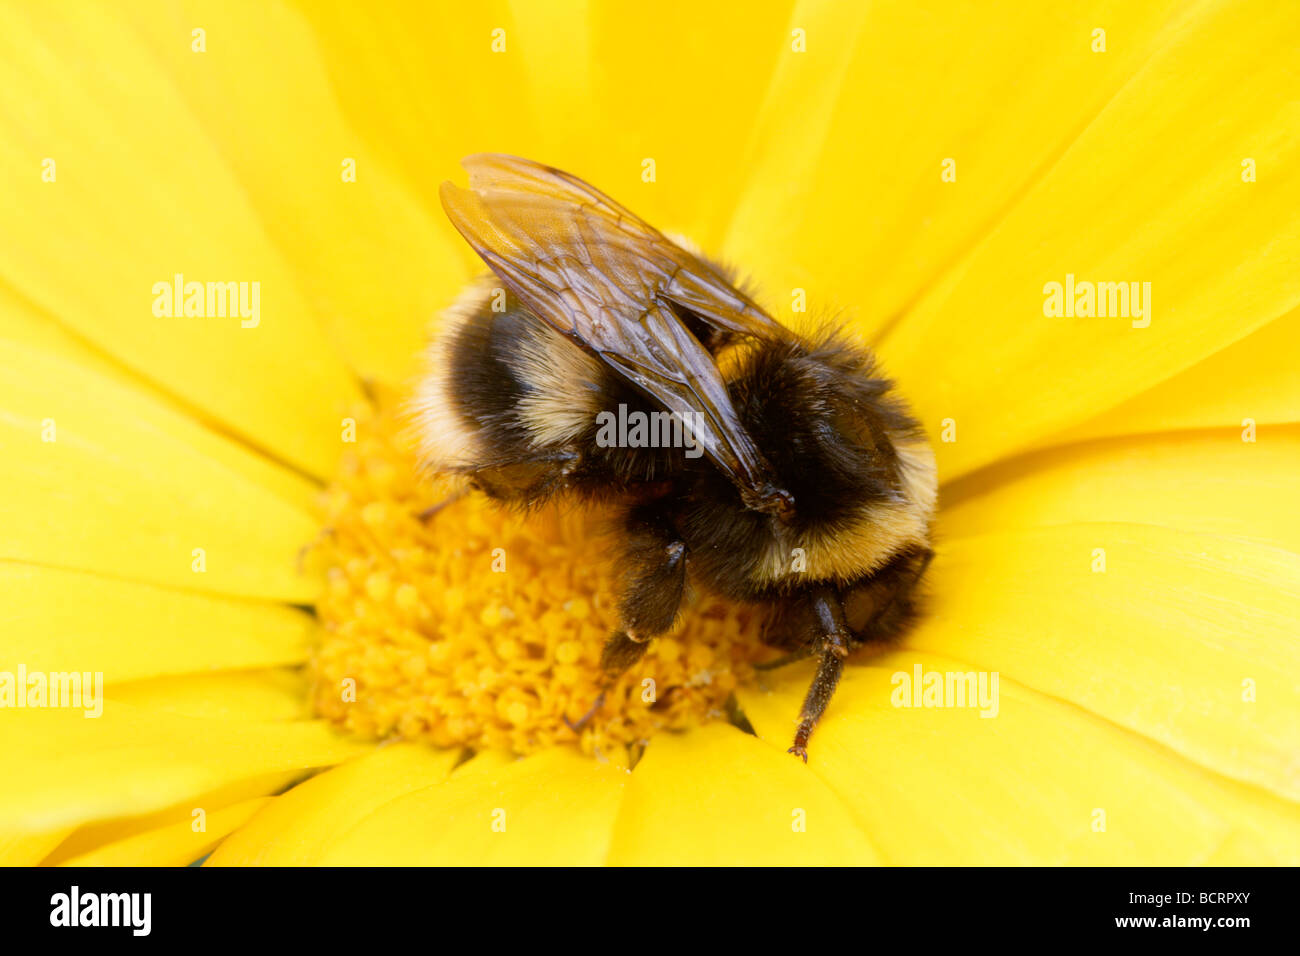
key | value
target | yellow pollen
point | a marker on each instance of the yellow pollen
(482, 627)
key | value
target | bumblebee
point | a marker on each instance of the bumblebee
(791, 478)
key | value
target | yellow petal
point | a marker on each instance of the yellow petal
(1039, 782)
(1253, 380)
(23, 321)
(273, 694)
(718, 797)
(555, 808)
(28, 849)
(159, 495)
(485, 762)
(1240, 850)
(91, 837)
(847, 155)
(392, 68)
(141, 194)
(680, 84)
(583, 84)
(62, 768)
(294, 828)
(28, 328)
(58, 620)
(369, 259)
(1187, 639)
(175, 845)
(1151, 192)
(1211, 482)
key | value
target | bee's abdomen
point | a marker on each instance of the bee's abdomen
(505, 398)
(487, 387)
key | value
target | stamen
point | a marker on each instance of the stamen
(471, 625)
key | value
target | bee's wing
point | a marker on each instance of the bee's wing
(609, 281)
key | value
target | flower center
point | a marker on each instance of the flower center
(482, 627)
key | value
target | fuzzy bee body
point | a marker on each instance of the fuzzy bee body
(512, 404)
(801, 483)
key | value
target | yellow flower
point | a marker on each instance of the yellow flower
(1118, 533)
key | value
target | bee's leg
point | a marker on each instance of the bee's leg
(881, 607)
(621, 651)
(785, 659)
(655, 580)
(833, 640)
(577, 725)
(452, 498)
